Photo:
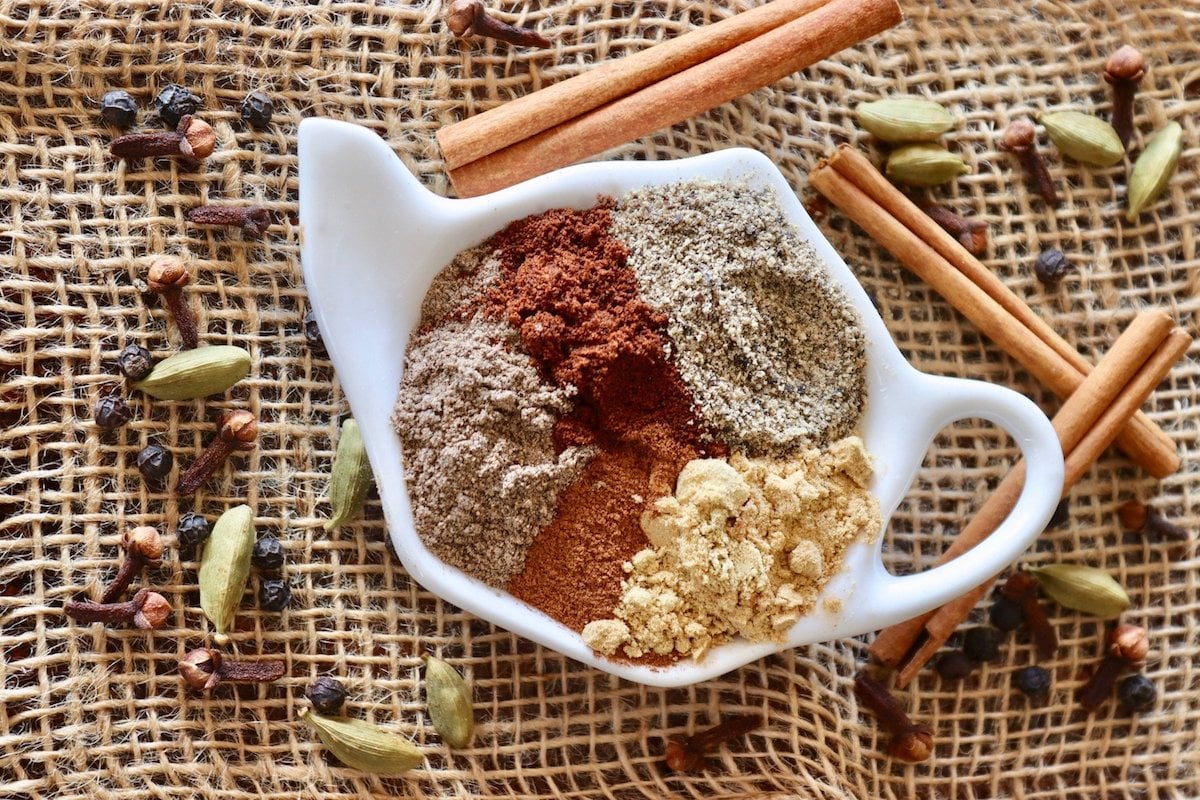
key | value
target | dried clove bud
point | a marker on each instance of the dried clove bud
(1135, 517)
(468, 18)
(1123, 72)
(253, 220)
(1022, 588)
(1020, 139)
(204, 668)
(167, 277)
(688, 753)
(972, 234)
(238, 431)
(194, 139)
(147, 610)
(1127, 645)
(910, 742)
(143, 548)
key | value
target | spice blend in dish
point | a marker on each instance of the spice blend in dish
(652, 402)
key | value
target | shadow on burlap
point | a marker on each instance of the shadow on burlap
(98, 713)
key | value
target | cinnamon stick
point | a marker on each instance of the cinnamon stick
(507, 124)
(742, 69)
(943, 622)
(1078, 414)
(850, 182)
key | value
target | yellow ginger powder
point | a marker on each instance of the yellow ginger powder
(743, 548)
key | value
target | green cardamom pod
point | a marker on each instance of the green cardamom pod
(193, 374)
(351, 476)
(1084, 137)
(1087, 589)
(364, 746)
(904, 119)
(1154, 168)
(224, 567)
(449, 700)
(924, 165)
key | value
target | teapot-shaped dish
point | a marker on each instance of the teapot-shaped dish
(373, 240)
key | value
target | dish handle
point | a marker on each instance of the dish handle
(950, 399)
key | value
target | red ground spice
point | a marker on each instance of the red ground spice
(565, 288)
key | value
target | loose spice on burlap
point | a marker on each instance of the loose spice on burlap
(566, 289)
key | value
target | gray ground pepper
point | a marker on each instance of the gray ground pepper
(772, 351)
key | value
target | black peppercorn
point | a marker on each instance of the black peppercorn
(135, 362)
(118, 108)
(981, 644)
(257, 110)
(1050, 266)
(954, 666)
(155, 462)
(193, 530)
(274, 594)
(327, 696)
(112, 412)
(312, 333)
(175, 102)
(268, 554)
(1033, 681)
(1005, 614)
(1137, 693)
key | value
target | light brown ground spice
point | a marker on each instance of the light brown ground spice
(476, 425)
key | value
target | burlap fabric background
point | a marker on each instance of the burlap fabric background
(89, 712)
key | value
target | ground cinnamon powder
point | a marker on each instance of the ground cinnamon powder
(565, 287)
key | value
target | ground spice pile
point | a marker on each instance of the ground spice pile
(565, 288)
(476, 426)
(773, 353)
(743, 548)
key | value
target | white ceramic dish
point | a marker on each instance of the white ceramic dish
(373, 239)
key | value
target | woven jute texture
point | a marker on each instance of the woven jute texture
(90, 712)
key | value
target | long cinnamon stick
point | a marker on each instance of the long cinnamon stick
(1078, 414)
(942, 624)
(483, 134)
(742, 69)
(883, 212)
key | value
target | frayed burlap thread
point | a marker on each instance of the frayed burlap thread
(95, 713)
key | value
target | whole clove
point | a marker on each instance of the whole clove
(1123, 71)
(193, 139)
(253, 220)
(910, 742)
(1137, 517)
(468, 18)
(970, 233)
(1022, 588)
(143, 548)
(1127, 645)
(1020, 139)
(689, 753)
(147, 610)
(237, 432)
(205, 668)
(167, 277)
